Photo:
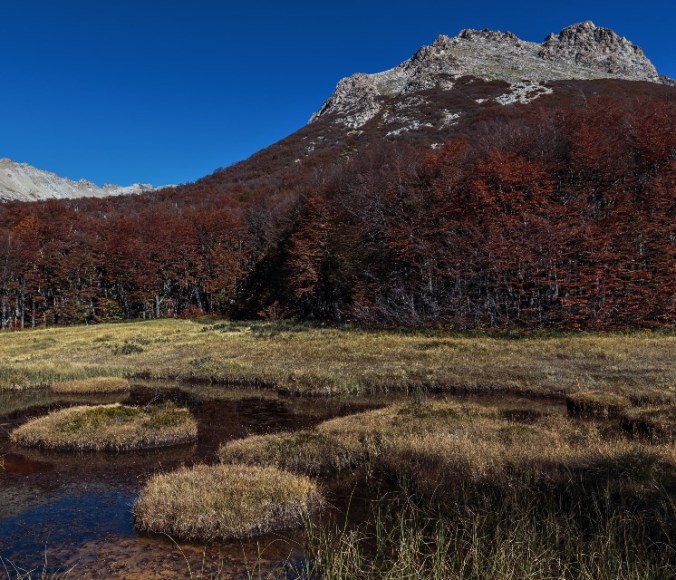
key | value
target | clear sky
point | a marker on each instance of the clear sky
(166, 91)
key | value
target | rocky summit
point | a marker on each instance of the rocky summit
(582, 51)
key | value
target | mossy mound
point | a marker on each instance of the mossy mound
(108, 428)
(303, 452)
(92, 385)
(596, 404)
(209, 502)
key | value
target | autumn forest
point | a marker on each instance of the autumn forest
(561, 215)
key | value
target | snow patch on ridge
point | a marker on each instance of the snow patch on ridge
(523, 92)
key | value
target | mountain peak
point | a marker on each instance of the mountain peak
(598, 48)
(487, 35)
(581, 51)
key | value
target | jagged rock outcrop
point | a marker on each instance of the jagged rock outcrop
(581, 51)
(23, 182)
(599, 49)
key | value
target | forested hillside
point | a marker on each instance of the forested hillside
(560, 212)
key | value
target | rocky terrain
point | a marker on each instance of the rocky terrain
(23, 182)
(581, 52)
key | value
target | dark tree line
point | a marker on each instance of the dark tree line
(566, 218)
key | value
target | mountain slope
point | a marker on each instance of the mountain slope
(485, 182)
(23, 182)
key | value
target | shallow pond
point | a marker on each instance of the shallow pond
(63, 510)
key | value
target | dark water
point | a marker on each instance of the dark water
(68, 510)
(59, 510)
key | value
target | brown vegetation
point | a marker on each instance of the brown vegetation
(11, 380)
(490, 497)
(108, 428)
(297, 359)
(488, 492)
(224, 501)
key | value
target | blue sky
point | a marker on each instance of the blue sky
(125, 91)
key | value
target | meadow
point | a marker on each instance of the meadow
(474, 456)
(301, 359)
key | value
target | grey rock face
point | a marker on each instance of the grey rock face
(581, 51)
(600, 49)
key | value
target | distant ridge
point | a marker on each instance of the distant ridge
(23, 182)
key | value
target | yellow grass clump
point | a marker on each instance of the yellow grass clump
(437, 444)
(304, 452)
(108, 428)
(205, 503)
(93, 385)
(495, 497)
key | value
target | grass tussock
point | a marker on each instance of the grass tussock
(596, 404)
(656, 424)
(435, 443)
(92, 385)
(486, 496)
(326, 361)
(108, 428)
(224, 502)
(518, 533)
(12, 380)
(304, 452)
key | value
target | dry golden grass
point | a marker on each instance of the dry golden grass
(436, 443)
(596, 404)
(657, 424)
(224, 501)
(332, 361)
(108, 428)
(100, 385)
(12, 380)
(304, 452)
